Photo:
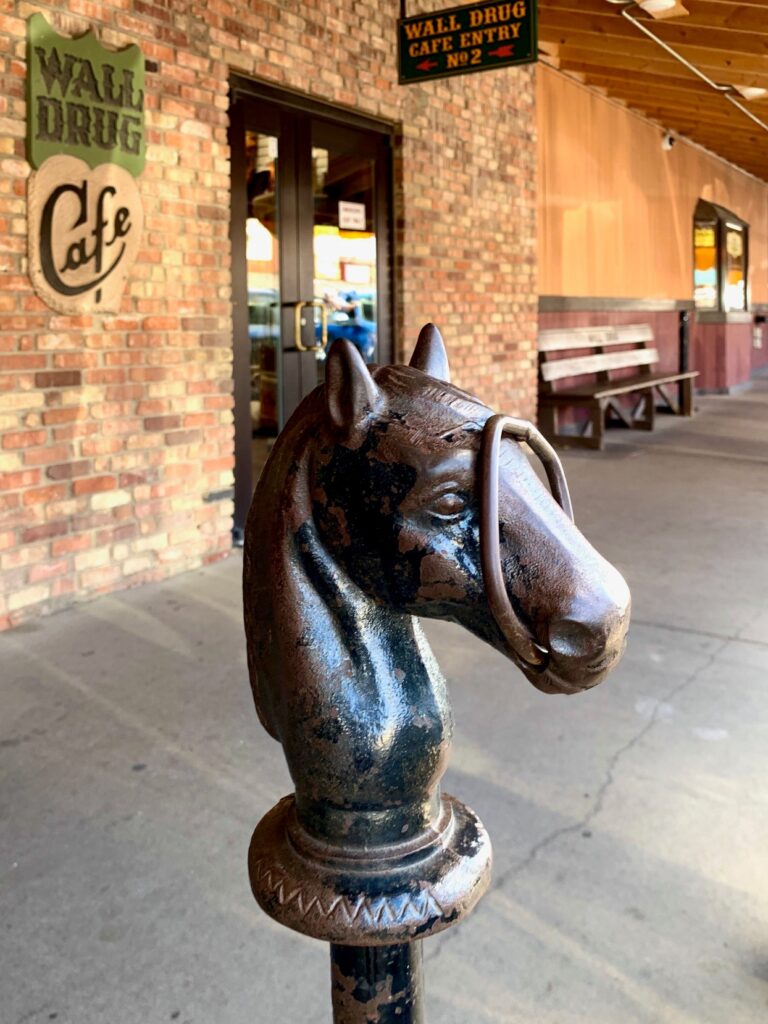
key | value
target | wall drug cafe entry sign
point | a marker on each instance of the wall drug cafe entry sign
(86, 140)
(475, 37)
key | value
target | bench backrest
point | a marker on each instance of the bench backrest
(551, 342)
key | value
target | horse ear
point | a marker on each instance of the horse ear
(351, 393)
(430, 356)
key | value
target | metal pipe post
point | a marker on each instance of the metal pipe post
(377, 984)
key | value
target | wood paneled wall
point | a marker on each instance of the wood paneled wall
(616, 210)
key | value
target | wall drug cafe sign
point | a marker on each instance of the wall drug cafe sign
(476, 37)
(84, 233)
(86, 140)
(84, 100)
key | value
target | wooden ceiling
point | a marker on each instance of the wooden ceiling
(727, 41)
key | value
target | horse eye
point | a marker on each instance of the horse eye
(448, 505)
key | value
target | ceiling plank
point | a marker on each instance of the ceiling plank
(675, 34)
(573, 56)
(726, 17)
(718, 62)
(683, 87)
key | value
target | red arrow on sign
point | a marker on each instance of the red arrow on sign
(426, 65)
(502, 51)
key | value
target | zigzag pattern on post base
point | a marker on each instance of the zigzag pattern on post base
(370, 903)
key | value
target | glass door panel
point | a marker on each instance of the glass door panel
(262, 255)
(344, 246)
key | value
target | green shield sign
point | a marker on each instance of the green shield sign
(84, 100)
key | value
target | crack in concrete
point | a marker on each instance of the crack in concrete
(599, 800)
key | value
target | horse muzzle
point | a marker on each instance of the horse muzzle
(584, 643)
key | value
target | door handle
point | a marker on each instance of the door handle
(297, 308)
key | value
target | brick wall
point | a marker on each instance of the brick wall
(115, 429)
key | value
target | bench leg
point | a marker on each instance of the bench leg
(597, 419)
(686, 397)
(648, 420)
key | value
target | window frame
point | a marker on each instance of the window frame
(704, 215)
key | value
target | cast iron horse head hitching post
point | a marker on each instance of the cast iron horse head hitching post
(392, 494)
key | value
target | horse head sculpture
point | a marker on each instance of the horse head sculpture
(392, 494)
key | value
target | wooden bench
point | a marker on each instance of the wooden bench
(592, 352)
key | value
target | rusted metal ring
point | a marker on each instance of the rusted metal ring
(530, 653)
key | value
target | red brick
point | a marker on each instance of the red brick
(22, 362)
(25, 438)
(48, 455)
(15, 481)
(44, 531)
(94, 484)
(39, 573)
(118, 533)
(161, 323)
(68, 470)
(58, 379)
(182, 437)
(218, 465)
(68, 415)
(40, 495)
(132, 479)
(153, 423)
(72, 544)
(199, 419)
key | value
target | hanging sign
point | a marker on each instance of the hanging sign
(475, 37)
(86, 140)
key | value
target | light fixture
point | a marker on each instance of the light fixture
(750, 92)
(656, 6)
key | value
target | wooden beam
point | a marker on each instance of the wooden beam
(677, 34)
(650, 63)
(688, 88)
(717, 64)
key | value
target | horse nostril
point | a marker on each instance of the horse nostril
(593, 632)
(571, 639)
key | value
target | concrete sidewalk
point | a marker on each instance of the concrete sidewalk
(630, 824)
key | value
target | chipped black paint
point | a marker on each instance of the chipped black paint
(381, 984)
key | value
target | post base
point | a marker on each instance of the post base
(374, 897)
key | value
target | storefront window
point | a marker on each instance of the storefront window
(720, 259)
(735, 280)
(705, 266)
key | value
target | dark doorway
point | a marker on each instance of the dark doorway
(311, 243)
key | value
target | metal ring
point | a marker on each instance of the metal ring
(531, 654)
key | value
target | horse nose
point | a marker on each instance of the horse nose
(593, 630)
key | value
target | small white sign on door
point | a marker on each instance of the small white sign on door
(351, 216)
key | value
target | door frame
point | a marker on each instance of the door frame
(265, 104)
